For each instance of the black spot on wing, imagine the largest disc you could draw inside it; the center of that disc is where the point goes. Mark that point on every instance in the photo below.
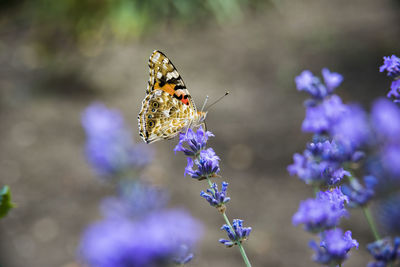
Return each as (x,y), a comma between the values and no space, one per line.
(178,97)
(179,87)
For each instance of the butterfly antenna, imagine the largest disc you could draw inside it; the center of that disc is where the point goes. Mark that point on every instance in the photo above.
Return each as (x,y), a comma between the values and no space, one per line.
(216,101)
(204,104)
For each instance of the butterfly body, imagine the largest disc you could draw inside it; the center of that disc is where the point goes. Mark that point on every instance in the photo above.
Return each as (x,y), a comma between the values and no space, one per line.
(168,108)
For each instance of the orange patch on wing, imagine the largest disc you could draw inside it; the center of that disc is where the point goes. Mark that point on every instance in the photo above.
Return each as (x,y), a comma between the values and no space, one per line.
(168,87)
(185,101)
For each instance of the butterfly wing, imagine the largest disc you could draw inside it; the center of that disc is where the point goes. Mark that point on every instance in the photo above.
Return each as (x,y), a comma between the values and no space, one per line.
(168,107)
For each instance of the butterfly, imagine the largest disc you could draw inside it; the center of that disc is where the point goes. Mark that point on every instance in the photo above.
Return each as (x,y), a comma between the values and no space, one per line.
(168,107)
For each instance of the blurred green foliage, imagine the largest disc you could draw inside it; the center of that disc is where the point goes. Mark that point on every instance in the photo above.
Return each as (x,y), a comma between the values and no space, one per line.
(5,201)
(88,19)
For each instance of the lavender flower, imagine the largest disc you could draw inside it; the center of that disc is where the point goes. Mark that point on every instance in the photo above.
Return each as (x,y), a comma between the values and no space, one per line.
(360,195)
(153,240)
(216,198)
(195,140)
(238,234)
(334,247)
(391,65)
(385,117)
(384,252)
(203,163)
(207,165)
(135,199)
(391,159)
(321,213)
(394,90)
(183,255)
(306,81)
(352,128)
(331,79)
(320,163)
(109,148)
(322,116)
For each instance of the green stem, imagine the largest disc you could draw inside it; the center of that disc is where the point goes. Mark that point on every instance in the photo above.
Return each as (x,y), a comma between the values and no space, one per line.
(244,256)
(316,190)
(371,222)
(241,249)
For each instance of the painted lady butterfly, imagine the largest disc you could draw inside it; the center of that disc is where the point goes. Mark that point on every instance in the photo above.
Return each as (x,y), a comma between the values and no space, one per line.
(168,108)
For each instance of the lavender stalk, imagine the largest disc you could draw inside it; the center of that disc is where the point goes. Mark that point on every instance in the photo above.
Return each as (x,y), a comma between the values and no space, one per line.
(203,164)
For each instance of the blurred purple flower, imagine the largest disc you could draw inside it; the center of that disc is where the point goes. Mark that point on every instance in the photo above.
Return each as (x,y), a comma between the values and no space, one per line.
(391,159)
(331,79)
(385,117)
(352,129)
(153,240)
(109,147)
(238,234)
(384,252)
(394,90)
(136,199)
(321,213)
(321,117)
(336,198)
(183,255)
(391,65)
(358,194)
(306,81)
(307,169)
(334,247)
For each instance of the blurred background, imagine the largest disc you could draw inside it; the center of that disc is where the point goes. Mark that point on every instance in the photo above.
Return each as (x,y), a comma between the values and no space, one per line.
(57,57)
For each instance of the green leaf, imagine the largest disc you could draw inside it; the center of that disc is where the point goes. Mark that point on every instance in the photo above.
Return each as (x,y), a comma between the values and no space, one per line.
(5,201)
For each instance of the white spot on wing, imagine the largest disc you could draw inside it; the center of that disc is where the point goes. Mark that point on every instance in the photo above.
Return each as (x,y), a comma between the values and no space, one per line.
(155,58)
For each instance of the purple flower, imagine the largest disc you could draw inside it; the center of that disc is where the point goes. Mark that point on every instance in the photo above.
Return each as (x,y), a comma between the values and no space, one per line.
(352,129)
(331,79)
(214,197)
(321,117)
(391,65)
(307,169)
(360,195)
(321,213)
(135,199)
(384,251)
(319,164)
(336,198)
(195,140)
(237,234)
(394,90)
(334,247)
(385,117)
(389,213)
(154,240)
(306,81)
(109,148)
(207,165)
(391,159)
(183,255)
(334,174)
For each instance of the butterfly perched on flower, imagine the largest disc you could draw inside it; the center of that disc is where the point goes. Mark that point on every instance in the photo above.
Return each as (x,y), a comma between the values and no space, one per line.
(168,108)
